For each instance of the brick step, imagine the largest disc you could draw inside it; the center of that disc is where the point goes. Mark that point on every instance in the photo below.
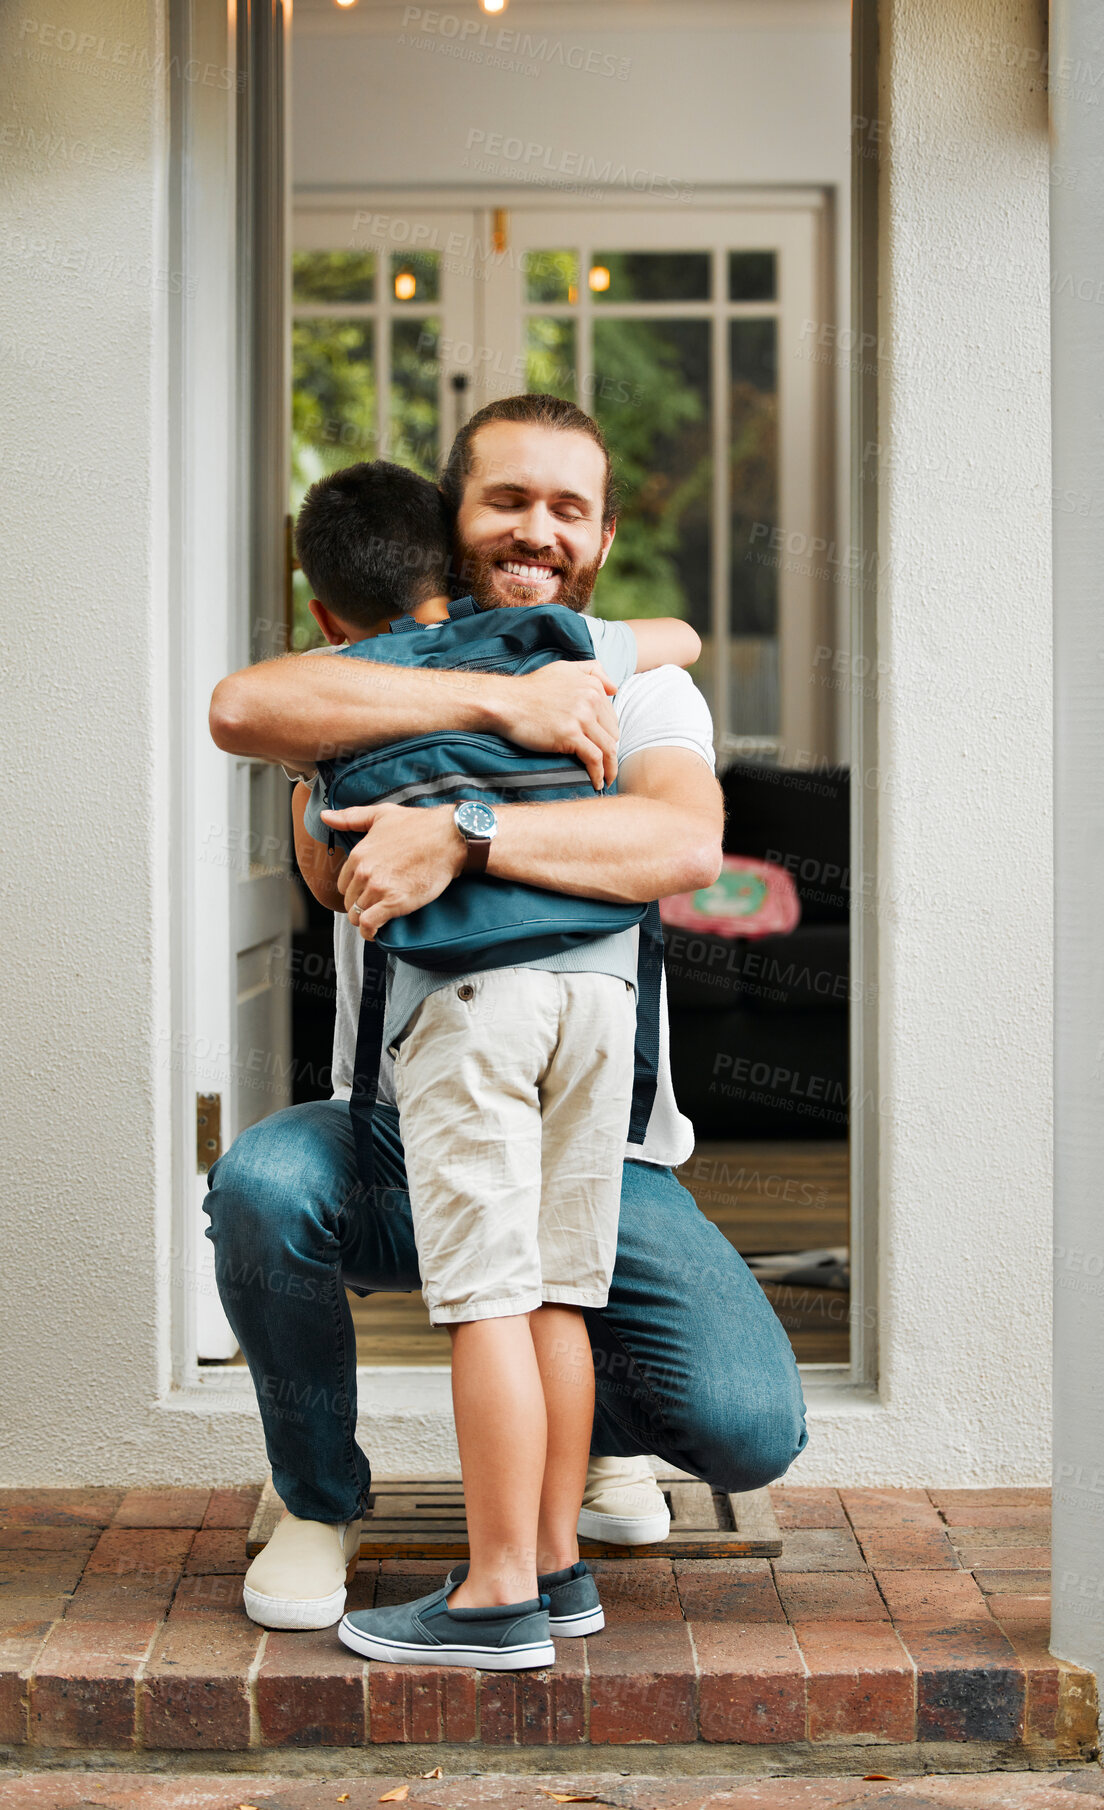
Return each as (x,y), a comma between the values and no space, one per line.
(891,1617)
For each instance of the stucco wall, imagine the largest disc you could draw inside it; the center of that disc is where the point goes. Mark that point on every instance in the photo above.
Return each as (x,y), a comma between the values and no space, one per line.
(83,282)
(964,789)
(965,871)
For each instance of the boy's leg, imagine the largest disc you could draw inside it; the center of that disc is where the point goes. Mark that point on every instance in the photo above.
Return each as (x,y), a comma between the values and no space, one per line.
(466,1080)
(585,1096)
(290,1225)
(500,1429)
(567,1377)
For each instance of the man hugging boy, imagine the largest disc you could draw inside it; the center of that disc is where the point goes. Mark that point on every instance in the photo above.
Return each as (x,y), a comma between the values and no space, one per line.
(513,1085)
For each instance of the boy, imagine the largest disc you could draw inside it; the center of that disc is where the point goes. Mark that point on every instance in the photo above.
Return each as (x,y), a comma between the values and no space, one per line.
(513,1086)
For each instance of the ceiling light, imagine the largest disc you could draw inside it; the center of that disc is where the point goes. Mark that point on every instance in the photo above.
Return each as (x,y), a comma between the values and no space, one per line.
(345,3)
(599,278)
(405,285)
(493,6)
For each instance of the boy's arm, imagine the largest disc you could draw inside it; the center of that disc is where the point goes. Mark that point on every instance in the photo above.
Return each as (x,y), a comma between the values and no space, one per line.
(664,641)
(318,867)
(297,710)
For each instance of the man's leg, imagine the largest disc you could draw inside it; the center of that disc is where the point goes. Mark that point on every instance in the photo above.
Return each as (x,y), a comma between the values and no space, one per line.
(691,1362)
(290,1225)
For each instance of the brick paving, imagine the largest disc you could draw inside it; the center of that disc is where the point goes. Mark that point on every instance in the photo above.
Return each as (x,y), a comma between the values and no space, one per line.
(900,1618)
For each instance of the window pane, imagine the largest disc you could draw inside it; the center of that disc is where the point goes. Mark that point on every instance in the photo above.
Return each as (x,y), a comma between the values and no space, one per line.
(551,276)
(550,356)
(333,405)
(415,394)
(333,421)
(650,276)
(651,394)
(751,276)
(333,276)
(416,276)
(753,488)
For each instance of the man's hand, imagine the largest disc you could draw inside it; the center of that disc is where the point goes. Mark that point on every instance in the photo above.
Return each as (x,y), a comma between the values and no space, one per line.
(564,708)
(407,857)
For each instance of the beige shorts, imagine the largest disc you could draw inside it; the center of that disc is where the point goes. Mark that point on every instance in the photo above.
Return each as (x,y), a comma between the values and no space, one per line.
(514,1088)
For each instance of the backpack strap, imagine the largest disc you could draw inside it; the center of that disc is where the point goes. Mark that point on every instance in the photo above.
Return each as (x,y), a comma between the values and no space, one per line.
(649,977)
(464,606)
(366,1063)
(402,625)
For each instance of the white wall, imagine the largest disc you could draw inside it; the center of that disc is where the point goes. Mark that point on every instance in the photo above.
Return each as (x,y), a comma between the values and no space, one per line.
(85,1382)
(84,280)
(737,93)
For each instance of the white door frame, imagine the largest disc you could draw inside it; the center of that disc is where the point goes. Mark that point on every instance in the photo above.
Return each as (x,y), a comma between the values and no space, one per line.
(409,1409)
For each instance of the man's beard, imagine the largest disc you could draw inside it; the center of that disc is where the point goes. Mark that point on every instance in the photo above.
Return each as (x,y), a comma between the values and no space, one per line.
(476,567)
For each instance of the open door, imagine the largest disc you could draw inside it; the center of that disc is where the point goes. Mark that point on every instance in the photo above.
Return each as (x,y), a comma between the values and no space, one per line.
(232,605)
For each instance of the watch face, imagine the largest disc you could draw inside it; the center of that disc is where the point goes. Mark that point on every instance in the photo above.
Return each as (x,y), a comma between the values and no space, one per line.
(475,819)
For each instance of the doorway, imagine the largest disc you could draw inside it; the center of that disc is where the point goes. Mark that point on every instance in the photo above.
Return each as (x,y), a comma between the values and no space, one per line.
(691,335)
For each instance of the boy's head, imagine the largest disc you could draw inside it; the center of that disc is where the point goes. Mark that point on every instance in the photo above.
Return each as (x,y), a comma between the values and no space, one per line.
(373,541)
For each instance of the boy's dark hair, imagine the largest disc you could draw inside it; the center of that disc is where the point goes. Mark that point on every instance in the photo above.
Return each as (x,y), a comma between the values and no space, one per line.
(373,541)
(541,411)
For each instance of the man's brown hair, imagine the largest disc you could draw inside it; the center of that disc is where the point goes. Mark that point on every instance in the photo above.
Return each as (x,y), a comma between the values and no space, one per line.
(539,411)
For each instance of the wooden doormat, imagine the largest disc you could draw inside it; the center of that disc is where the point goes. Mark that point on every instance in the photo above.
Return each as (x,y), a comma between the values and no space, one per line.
(416,1519)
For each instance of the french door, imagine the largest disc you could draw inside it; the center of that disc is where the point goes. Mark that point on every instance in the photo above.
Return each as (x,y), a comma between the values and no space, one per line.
(689,333)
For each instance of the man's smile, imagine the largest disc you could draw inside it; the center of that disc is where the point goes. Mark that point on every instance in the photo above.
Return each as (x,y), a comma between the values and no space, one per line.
(528,571)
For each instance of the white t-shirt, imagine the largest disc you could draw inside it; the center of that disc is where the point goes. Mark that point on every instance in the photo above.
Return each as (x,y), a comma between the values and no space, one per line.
(659,709)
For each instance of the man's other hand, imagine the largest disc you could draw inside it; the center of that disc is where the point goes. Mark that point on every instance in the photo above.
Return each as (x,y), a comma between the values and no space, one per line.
(563,708)
(407,857)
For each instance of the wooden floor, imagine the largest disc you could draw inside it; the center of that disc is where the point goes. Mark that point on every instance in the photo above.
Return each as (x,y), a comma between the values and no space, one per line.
(764,1197)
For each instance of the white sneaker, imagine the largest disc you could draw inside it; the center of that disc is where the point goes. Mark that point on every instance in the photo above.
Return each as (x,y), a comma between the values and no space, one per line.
(300,1578)
(623,1503)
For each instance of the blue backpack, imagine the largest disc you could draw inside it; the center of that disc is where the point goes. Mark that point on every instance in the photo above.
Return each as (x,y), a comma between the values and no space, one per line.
(480,921)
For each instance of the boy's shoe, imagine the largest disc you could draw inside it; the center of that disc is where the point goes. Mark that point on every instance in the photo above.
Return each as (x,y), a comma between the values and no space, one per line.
(573,1604)
(511,1637)
(299,1580)
(623,1503)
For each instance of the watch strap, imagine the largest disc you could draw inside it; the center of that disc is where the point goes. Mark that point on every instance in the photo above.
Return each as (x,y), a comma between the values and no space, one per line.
(478,855)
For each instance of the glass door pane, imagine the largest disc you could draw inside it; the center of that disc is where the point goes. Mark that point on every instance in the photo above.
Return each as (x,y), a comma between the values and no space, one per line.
(653,400)
(753,699)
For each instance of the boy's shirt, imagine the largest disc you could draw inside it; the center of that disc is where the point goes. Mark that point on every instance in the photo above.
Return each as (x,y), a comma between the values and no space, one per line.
(408,985)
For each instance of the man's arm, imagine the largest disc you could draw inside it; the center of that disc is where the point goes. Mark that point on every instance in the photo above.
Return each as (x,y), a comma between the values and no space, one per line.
(297,711)
(660,834)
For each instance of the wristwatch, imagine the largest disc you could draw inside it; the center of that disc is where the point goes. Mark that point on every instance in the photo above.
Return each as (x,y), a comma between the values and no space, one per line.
(478,825)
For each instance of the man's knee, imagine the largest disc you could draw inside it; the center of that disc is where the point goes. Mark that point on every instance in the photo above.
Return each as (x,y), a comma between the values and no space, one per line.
(745,1444)
(264,1188)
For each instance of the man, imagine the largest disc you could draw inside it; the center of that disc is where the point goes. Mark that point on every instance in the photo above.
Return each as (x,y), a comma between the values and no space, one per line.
(691,1363)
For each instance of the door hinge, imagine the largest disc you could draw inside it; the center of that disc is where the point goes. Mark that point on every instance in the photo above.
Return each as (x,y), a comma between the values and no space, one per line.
(500,230)
(208,1131)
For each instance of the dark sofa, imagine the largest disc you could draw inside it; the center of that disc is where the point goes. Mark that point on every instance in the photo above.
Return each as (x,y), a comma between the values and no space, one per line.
(759,1045)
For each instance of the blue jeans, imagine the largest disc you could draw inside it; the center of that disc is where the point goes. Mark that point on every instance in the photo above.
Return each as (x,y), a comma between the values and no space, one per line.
(691,1363)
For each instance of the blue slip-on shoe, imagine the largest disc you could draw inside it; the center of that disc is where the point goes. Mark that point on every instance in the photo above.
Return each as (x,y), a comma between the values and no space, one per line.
(574,1606)
(511,1637)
